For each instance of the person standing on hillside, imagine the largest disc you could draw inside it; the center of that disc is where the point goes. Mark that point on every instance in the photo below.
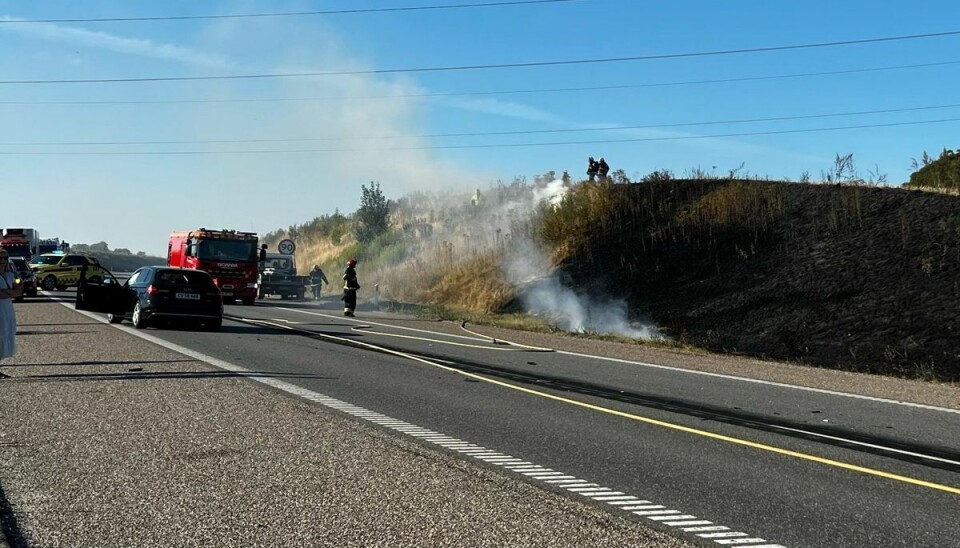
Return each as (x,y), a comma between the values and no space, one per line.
(602,169)
(317,279)
(350,287)
(592,169)
(8,318)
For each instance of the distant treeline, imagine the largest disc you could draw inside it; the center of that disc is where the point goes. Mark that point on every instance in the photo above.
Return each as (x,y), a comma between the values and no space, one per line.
(117,260)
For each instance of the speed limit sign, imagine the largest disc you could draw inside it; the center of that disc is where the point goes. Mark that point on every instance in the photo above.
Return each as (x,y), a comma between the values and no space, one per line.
(287,247)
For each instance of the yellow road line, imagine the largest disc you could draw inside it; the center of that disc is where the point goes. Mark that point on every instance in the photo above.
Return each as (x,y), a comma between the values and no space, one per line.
(361,329)
(656,422)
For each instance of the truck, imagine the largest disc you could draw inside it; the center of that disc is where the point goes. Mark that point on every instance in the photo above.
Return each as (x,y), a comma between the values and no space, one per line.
(229,256)
(278,276)
(20,242)
(51,245)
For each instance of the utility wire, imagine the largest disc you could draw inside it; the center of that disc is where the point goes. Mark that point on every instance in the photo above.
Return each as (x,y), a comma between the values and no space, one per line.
(491,92)
(479,146)
(451,68)
(483,133)
(291,13)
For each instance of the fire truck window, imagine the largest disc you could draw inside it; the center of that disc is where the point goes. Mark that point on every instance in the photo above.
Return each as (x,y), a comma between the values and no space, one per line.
(228,250)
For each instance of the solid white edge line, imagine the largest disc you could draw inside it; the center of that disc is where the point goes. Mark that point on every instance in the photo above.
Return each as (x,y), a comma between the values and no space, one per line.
(357,412)
(678,369)
(768,383)
(865,444)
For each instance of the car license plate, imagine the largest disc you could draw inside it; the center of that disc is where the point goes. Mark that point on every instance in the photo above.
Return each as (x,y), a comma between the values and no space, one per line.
(227,286)
(189,296)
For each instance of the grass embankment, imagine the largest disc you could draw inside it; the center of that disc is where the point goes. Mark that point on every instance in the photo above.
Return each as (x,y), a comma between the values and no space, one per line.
(853,277)
(845,276)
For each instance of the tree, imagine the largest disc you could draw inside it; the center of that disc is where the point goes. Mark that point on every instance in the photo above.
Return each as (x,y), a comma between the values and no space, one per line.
(944,172)
(620,177)
(373,215)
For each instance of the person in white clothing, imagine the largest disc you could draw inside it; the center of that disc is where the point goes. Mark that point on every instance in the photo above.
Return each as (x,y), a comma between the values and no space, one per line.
(8,320)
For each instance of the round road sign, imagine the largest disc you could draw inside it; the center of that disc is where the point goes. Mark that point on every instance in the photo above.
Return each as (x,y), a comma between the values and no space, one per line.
(287,247)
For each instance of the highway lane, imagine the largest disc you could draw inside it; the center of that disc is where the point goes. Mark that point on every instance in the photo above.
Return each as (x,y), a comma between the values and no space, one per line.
(780,498)
(110,440)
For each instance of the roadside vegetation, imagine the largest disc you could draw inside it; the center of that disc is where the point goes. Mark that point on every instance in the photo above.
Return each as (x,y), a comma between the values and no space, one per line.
(840,271)
(117,260)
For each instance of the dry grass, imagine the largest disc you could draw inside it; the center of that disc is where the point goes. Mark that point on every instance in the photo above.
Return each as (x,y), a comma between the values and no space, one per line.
(952,191)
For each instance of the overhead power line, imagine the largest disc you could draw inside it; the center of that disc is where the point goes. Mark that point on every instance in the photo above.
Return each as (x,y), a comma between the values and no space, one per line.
(490,92)
(478,146)
(451,68)
(483,133)
(291,13)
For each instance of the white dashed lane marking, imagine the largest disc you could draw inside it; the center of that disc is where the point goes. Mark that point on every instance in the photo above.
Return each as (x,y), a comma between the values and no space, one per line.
(682,522)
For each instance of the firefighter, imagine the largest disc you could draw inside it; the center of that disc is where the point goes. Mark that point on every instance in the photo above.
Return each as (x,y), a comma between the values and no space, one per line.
(602,169)
(350,287)
(476,200)
(317,279)
(592,168)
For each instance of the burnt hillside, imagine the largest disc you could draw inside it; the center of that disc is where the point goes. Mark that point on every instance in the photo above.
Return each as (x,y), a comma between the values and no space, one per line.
(855,277)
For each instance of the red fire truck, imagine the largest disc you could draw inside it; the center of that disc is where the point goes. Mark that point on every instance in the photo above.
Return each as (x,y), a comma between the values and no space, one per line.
(229,256)
(20,242)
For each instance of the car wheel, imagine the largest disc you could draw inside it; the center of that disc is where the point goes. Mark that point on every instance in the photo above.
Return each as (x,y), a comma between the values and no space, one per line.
(138,320)
(18,299)
(49,283)
(115,318)
(248,301)
(214,325)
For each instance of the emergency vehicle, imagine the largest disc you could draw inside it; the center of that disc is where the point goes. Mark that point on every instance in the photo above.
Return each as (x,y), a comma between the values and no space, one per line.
(229,256)
(20,242)
(58,270)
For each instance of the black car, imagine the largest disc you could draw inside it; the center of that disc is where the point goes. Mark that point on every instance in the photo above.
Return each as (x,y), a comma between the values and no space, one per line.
(156,294)
(27,279)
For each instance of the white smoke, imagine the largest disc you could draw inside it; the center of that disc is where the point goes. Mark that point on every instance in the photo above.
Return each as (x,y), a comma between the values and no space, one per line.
(529,269)
(502,221)
(582,313)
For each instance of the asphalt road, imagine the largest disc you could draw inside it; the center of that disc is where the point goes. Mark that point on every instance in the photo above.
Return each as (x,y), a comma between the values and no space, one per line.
(708,458)
(110,440)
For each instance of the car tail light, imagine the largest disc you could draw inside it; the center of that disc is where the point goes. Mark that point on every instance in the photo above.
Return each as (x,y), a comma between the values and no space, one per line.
(152,290)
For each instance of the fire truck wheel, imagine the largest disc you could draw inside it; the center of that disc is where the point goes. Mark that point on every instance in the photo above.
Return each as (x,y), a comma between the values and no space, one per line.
(49,283)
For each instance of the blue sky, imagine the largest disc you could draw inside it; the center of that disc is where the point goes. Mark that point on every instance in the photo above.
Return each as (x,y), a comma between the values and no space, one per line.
(135,200)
